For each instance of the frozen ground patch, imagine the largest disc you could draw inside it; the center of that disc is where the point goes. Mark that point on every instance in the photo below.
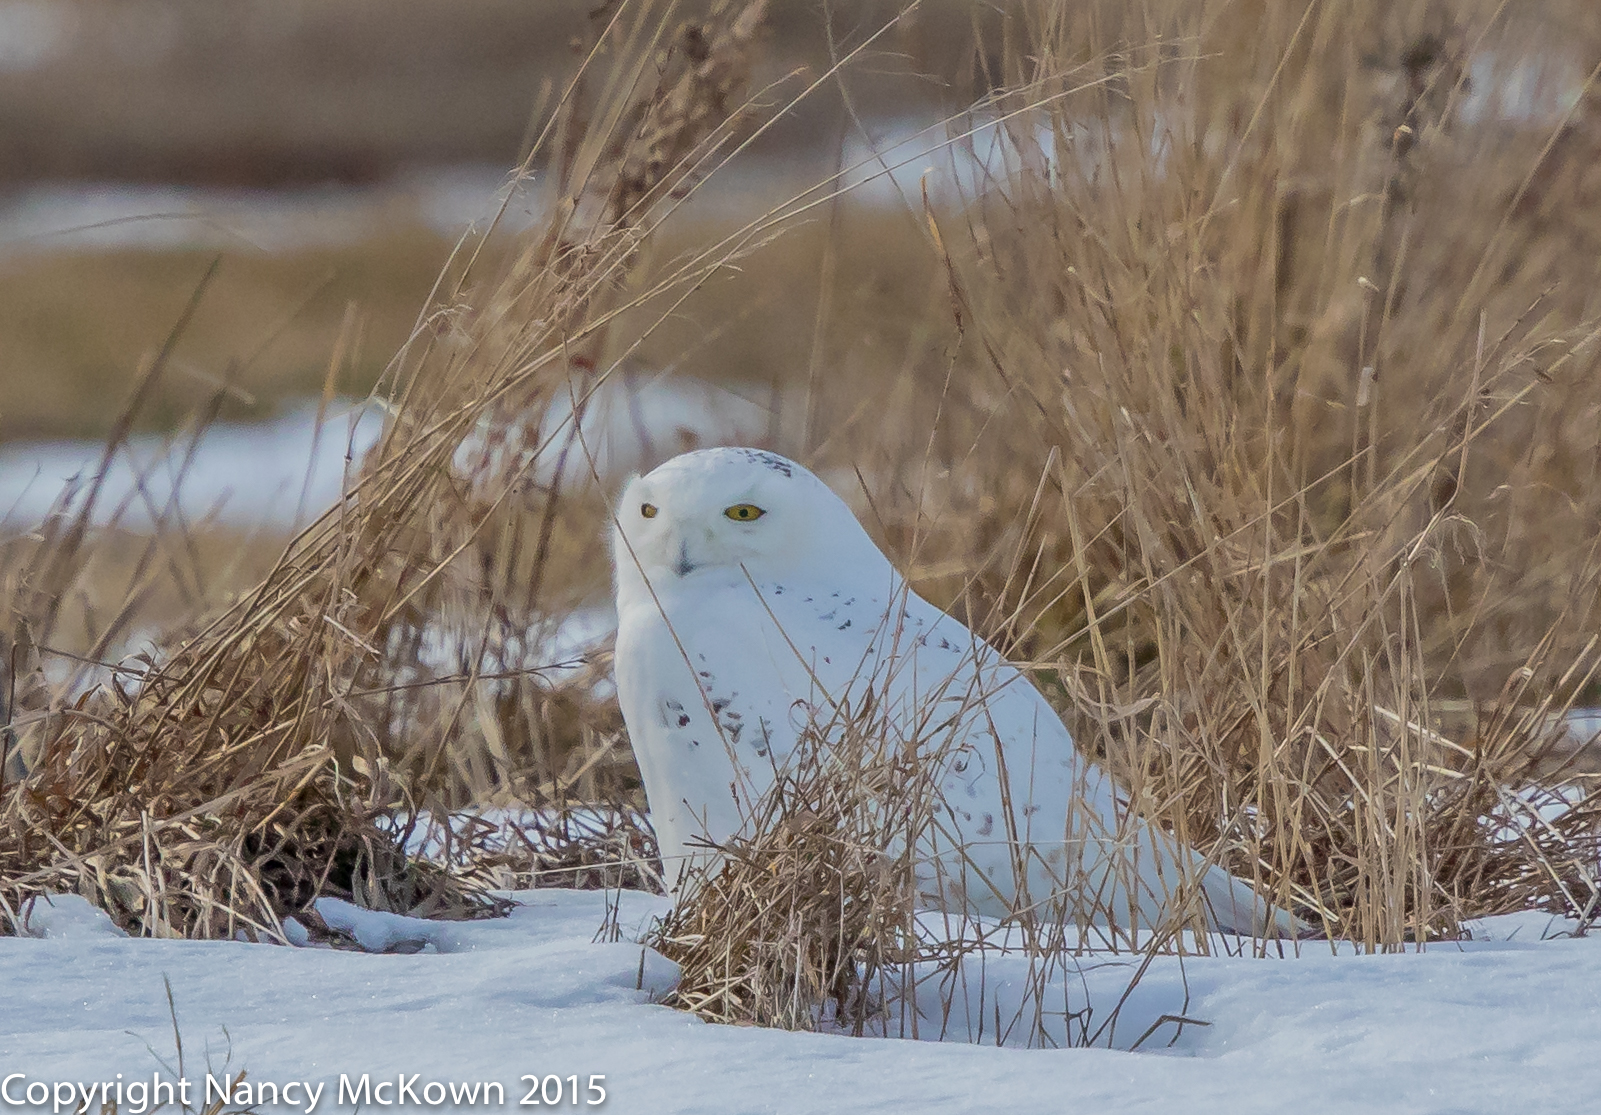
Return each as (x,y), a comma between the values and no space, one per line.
(285,471)
(1585,724)
(271,473)
(98,216)
(1485,1026)
(447,200)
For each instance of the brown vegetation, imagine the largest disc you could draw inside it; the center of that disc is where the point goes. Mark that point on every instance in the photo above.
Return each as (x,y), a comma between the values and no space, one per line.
(1275,409)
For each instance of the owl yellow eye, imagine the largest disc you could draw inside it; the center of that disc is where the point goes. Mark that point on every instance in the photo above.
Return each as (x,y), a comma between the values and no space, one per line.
(744,512)
(647,510)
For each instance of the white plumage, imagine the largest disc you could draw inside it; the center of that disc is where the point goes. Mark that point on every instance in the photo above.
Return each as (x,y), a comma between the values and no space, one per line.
(750,602)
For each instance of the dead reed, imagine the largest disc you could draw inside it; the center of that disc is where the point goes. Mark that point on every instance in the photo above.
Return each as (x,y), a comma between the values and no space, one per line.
(600,847)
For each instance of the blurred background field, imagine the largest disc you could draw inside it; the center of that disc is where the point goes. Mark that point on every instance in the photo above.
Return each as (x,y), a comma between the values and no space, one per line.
(332,153)
(1233,362)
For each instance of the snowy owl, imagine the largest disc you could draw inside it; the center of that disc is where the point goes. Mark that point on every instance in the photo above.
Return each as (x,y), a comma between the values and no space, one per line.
(750,601)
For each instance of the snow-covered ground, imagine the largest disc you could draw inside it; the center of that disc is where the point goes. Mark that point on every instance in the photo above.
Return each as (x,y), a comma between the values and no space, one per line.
(1492,1025)
(286,471)
(257,474)
(884,168)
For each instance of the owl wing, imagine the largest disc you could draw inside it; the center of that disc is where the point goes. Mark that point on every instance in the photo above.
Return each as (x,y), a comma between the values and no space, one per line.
(1024,819)
(1009,779)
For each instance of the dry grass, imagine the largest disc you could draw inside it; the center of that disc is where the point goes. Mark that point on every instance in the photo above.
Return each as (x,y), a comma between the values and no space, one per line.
(1311,405)
(74,326)
(574,847)
(178,795)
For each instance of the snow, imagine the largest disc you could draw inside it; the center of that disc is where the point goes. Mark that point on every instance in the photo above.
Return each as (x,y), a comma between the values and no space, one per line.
(376,931)
(632,421)
(78,216)
(1584,724)
(1507,1020)
(63,916)
(280,472)
(284,471)
(883,166)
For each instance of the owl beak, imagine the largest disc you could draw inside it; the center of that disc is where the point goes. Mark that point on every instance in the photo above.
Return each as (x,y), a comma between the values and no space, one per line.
(682,565)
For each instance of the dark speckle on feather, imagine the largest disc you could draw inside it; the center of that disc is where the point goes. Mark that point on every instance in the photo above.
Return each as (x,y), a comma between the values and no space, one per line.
(673,711)
(988,826)
(769,460)
(843,626)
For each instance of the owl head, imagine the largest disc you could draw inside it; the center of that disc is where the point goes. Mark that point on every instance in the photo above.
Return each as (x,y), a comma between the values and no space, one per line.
(725,514)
